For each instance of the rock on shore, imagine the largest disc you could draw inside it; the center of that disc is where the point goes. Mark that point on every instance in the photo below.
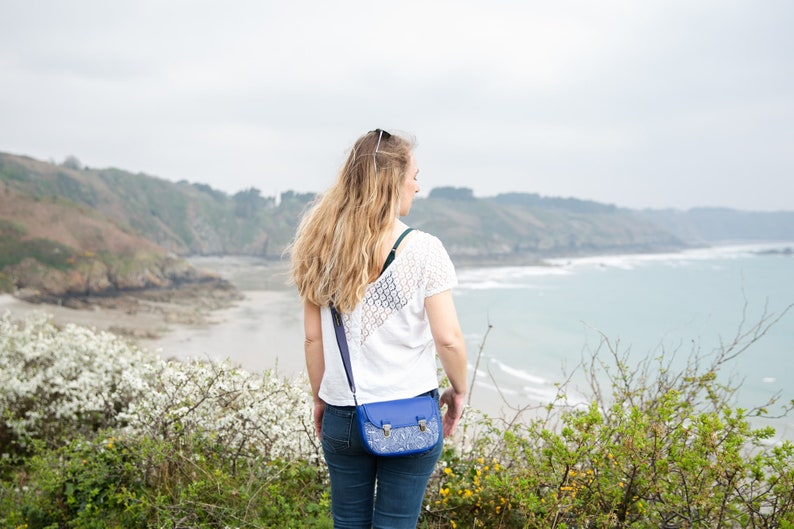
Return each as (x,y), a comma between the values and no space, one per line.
(160,290)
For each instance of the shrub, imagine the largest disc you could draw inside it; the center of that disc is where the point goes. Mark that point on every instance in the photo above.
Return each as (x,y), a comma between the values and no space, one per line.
(153,482)
(57,383)
(658,449)
(265,416)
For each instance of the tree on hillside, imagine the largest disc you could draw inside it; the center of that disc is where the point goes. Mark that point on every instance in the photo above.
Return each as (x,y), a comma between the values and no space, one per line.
(71,162)
(204,188)
(292,197)
(248,202)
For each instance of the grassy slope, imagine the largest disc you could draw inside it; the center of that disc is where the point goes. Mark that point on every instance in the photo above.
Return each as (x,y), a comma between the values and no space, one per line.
(55,238)
(513,231)
(194,219)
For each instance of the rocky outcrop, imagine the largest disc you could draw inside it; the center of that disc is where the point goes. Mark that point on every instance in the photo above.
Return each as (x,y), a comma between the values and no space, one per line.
(36,282)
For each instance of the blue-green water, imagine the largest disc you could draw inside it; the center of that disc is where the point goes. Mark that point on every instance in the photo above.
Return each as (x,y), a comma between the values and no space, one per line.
(545,319)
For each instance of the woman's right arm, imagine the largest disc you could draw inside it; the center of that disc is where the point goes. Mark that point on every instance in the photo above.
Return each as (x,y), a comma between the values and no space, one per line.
(451,348)
(315,362)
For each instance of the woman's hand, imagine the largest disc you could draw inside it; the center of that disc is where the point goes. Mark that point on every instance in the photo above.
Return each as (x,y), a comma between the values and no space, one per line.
(319,410)
(455,404)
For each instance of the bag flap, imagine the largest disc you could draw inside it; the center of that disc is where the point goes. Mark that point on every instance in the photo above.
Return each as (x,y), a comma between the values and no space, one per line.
(401,412)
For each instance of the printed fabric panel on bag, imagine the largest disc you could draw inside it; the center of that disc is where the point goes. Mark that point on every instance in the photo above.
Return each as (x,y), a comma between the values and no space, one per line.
(400,427)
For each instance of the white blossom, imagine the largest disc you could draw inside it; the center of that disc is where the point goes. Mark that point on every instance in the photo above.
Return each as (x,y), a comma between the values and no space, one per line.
(54,381)
(57,382)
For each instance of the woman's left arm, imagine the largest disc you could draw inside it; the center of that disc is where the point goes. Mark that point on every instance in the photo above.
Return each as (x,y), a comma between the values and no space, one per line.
(315,362)
(451,348)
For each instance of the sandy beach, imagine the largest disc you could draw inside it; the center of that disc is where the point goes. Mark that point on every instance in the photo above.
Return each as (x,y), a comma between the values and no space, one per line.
(96,317)
(263,331)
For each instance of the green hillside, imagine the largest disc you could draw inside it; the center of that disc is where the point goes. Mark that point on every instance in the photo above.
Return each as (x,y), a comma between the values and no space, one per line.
(194,219)
(63,233)
(69,229)
(520,228)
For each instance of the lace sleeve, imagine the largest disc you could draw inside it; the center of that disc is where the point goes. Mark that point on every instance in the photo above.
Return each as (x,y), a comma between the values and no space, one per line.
(439,270)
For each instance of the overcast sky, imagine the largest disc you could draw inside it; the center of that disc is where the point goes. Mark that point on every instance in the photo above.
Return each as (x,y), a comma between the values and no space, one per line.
(638,103)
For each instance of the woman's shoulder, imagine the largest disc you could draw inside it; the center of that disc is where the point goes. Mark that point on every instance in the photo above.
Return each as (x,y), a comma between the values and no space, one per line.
(436,264)
(428,245)
(425,239)
(423,235)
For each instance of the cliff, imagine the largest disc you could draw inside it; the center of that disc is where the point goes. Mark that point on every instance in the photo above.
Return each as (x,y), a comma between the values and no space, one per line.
(54,247)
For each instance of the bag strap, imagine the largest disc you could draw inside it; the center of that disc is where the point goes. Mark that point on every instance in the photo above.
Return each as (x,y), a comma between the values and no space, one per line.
(341,340)
(393,251)
(339,330)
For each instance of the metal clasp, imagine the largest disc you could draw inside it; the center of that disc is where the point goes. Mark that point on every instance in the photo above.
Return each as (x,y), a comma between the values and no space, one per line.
(422,425)
(386,430)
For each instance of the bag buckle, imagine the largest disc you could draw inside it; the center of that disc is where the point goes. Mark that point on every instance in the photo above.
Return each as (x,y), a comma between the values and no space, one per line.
(422,425)
(386,430)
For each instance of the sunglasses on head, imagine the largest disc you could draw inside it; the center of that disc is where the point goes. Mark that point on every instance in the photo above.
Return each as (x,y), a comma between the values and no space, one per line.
(381,134)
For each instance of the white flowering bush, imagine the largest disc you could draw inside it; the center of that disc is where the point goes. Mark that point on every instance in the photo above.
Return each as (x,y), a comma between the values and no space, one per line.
(135,441)
(59,382)
(247,415)
(56,383)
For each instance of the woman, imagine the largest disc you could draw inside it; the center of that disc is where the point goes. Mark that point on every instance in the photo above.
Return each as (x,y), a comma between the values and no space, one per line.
(398,314)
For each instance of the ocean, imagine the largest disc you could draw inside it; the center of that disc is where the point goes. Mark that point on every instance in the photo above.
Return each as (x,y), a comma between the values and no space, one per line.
(545,320)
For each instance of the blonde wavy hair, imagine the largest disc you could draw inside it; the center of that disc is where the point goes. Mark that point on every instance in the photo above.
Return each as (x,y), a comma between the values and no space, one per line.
(336,249)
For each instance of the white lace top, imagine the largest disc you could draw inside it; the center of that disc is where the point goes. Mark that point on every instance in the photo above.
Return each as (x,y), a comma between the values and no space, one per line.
(391,349)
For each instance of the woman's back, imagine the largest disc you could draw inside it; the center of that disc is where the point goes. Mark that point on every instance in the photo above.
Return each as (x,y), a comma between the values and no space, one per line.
(391,346)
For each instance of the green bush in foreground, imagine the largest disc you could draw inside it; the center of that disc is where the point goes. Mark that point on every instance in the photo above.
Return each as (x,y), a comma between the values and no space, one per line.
(140,482)
(664,450)
(623,468)
(208,445)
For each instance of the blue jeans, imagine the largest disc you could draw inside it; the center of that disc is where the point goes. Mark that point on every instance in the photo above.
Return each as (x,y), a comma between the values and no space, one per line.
(356,475)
